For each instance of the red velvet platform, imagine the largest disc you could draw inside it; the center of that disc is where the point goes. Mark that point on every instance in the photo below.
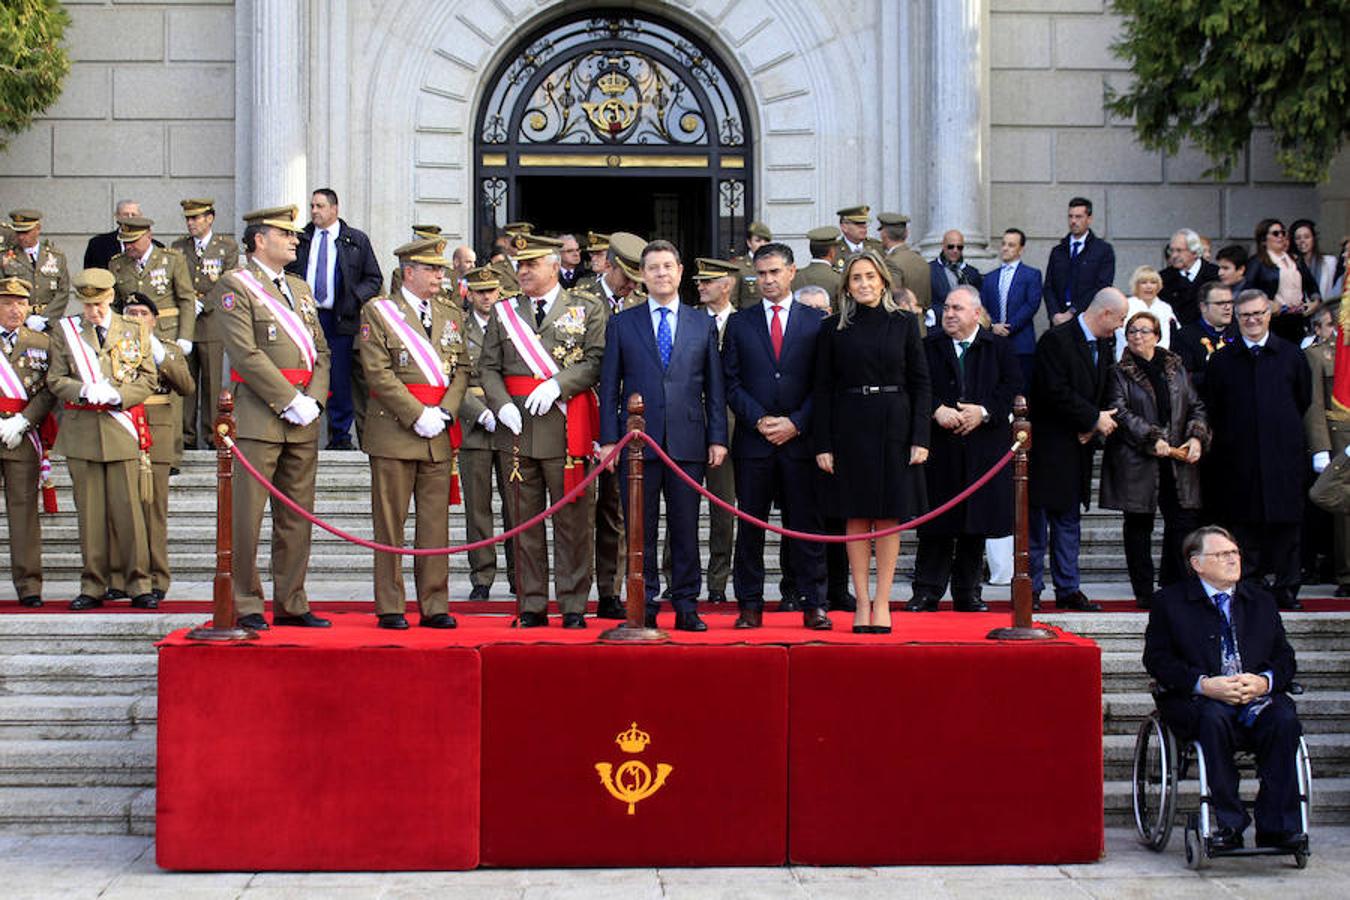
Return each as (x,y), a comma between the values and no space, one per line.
(359,748)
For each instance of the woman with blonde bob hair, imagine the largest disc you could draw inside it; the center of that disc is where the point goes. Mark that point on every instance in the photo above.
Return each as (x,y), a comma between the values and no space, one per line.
(1145,285)
(870,423)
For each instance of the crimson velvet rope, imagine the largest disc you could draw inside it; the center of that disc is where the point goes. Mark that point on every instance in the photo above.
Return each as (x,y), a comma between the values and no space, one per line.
(576,492)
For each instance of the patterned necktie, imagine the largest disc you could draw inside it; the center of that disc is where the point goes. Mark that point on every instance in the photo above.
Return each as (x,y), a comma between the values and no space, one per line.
(321,271)
(102,334)
(10,338)
(1232,664)
(1004,282)
(664,340)
(539,310)
(776,331)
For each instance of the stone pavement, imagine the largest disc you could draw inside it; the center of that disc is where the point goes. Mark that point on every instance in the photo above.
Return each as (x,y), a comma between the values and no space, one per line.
(111,868)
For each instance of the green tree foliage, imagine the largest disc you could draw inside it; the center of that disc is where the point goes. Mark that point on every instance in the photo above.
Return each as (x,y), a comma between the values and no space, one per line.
(1207,71)
(32,61)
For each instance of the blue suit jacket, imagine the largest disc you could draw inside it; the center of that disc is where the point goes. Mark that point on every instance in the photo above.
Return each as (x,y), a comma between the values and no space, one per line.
(686,406)
(937,279)
(1024,298)
(1078,279)
(759,385)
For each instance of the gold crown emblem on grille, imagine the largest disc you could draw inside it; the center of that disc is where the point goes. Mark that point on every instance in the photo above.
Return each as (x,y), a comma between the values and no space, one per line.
(612,83)
(633,740)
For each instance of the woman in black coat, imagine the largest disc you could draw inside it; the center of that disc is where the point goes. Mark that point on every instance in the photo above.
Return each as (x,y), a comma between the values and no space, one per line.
(1158,411)
(871,414)
(1284,278)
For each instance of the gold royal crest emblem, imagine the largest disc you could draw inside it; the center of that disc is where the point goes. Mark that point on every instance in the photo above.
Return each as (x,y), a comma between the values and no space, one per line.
(632,781)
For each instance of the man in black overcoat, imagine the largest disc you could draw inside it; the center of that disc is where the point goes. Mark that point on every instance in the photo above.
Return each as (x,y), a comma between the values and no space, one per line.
(1256,392)
(1069,419)
(975,376)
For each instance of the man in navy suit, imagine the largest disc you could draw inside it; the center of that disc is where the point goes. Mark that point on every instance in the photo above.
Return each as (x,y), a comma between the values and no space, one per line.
(768,355)
(1079,266)
(1219,655)
(950,270)
(1011,294)
(667,352)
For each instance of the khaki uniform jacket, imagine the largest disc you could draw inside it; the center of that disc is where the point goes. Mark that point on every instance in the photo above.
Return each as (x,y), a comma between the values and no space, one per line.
(573,333)
(259,349)
(124,359)
(746,292)
(908,269)
(476,437)
(31,359)
(600,294)
(1323,418)
(50,278)
(165,280)
(506,275)
(819,274)
(844,252)
(174,378)
(220,255)
(389,366)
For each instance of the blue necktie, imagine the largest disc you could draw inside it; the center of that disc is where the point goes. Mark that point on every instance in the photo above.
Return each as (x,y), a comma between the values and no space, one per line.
(1224,603)
(1092,345)
(664,342)
(1004,282)
(321,272)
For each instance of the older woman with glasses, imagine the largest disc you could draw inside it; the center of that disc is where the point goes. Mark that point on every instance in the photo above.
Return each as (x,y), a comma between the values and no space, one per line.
(1150,459)
(1283,277)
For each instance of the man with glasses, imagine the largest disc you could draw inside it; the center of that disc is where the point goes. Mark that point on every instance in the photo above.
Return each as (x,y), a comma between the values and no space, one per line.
(1215,329)
(950,270)
(1181,281)
(1256,393)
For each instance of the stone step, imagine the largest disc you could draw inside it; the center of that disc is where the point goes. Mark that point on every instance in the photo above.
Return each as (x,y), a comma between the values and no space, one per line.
(1330,754)
(1329,670)
(77,810)
(1321,712)
(34,717)
(80,675)
(1330,803)
(77,763)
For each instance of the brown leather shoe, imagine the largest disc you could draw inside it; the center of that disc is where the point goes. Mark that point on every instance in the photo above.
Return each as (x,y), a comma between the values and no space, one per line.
(816,619)
(750,618)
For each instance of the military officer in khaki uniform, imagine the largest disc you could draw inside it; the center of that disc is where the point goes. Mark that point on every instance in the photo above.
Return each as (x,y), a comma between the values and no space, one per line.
(1328,433)
(597,260)
(528,404)
(24,254)
(209,256)
(908,268)
(505,267)
(412,347)
(174,378)
(420,233)
(279,365)
(853,239)
(747,285)
(821,271)
(24,404)
(478,461)
(101,368)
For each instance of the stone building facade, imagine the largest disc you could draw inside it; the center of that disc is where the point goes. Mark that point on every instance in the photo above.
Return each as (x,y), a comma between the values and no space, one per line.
(974,114)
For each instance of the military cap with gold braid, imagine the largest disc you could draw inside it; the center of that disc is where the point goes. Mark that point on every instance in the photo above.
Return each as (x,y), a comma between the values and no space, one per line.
(595,242)
(759,229)
(518,228)
(532,246)
(627,250)
(282,217)
(892,218)
(427,231)
(133,228)
(15,287)
(712,269)
(197,206)
(94,285)
(22,220)
(823,235)
(482,278)
(427,251)
(858,214)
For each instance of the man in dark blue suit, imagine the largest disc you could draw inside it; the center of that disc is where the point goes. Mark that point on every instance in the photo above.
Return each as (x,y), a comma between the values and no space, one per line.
(950,270)
(667,352)
(1079,266)
(1219,655)
(1011,294)
(769,357)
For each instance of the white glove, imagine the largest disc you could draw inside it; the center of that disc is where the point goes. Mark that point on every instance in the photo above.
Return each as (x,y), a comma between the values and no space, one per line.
(12,430)
(509,416)
(200,306)
(1321,459)
(36,323)
(185,345)
(541,398)
(302,410)
(156,350)
(102,394)
(488,421)
(430,423)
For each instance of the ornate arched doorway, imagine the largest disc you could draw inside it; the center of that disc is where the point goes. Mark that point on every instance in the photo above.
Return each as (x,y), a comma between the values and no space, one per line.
(614,120)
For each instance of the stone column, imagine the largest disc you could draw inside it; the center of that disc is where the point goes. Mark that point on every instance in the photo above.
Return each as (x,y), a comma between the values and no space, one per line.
(958,168)
(276,95)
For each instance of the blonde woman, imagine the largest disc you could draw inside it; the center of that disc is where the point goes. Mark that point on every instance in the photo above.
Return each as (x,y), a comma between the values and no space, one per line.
(1145,285)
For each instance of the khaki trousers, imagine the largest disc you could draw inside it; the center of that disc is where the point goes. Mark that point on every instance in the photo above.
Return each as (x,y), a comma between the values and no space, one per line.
(542,484)
(206,363)
(610,548)
(155,515)
(393,483)
(291,468)
(476,470)
(21,510)
(108,506)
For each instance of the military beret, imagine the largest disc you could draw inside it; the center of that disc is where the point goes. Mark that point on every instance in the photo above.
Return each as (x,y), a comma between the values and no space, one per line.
(137,299)
(518,228)
(524,245)
(857,214)
(15,287)
(823,234)
(482,278)
(426,231)
(428,251)
(712,269)
(94,285)
(893,218)
(282,217)
(196,206)
(759,229)
(627,249)
(132,228)
(22,220)
(595,242)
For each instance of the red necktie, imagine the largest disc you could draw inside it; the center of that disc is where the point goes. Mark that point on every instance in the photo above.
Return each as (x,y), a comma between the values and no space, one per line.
(776,331)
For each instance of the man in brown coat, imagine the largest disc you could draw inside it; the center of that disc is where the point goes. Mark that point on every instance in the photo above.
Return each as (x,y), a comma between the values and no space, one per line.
(908,268)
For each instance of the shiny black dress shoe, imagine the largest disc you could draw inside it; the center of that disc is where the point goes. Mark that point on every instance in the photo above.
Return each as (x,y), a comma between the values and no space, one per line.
(689,622)
(253,622)
(1282,840)
(440,620)
(479,592)
(1291,603)
(393,621)
(304,620)
(881,629)
(750,618)
(115,594)
(159,594)
(717,596)
(1224,839)
(668,593)
(790,603)
(862,629)
(32,602)
(816,620)
(574,620)
(1036,603)
(84,601)
(1076,602)
(343,443)
(533,620)
(610,607)
(976,605)
(146,601)
(920,603)
(844,602)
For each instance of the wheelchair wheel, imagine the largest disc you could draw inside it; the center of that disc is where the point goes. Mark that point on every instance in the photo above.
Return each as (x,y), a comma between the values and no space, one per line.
(1154,784)
(1301,859)
(1196,858)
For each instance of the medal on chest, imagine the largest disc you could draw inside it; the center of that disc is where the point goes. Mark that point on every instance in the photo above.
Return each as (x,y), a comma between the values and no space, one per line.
(159,279)
(211,268)
(126,356)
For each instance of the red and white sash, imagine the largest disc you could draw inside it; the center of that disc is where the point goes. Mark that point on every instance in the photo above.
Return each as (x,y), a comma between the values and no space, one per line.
(290,320)
(11,387)
(86,364)
(423,353)
(528,345)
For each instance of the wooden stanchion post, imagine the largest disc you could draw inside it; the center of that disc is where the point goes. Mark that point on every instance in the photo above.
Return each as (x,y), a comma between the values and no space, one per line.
(1021,628)
(222,627)
(635,627)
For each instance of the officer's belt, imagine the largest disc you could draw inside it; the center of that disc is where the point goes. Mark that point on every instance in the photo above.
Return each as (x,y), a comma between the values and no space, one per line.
(12,405)
(92,407)
(158,400)
(296,377)
(169,312)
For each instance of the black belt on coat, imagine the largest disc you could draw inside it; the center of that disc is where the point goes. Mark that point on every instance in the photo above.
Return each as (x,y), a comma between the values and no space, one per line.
(867,389)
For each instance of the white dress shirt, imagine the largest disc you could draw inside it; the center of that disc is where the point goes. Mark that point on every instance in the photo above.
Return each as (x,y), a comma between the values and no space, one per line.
(273,276)
(548,300)
(654,308)
(785,305)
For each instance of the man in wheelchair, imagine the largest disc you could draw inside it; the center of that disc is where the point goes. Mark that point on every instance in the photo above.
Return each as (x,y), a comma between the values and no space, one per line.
(1219,655)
